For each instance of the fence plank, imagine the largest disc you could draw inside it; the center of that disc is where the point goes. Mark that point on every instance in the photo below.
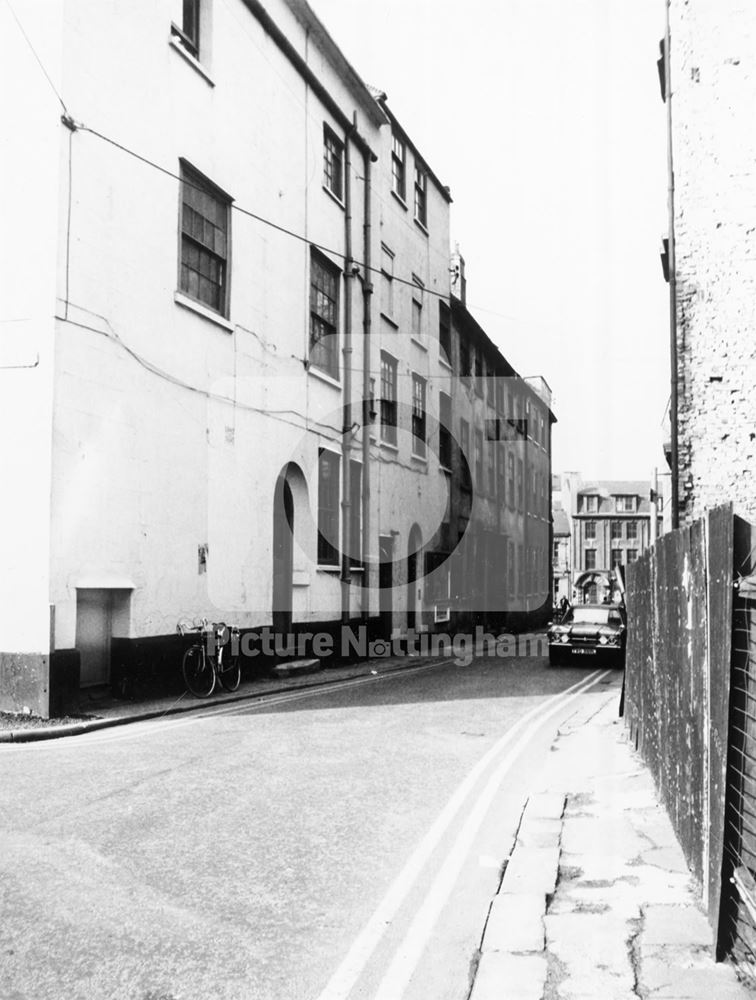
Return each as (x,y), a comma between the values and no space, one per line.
(678,688)
(719,558)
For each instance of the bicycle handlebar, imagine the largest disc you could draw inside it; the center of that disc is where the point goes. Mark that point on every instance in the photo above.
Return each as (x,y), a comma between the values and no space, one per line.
(204,625)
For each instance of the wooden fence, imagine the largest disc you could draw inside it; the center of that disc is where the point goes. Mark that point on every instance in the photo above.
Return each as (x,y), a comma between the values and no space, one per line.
(679,598)
(737,936)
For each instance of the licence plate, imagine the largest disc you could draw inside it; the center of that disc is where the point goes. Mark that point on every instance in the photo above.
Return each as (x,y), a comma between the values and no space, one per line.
(585,652)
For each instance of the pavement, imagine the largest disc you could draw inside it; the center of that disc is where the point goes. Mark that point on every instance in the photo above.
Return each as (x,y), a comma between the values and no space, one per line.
(100,709)
(596,901)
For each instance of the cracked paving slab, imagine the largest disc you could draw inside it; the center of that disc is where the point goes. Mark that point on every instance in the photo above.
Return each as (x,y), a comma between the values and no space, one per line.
(624,921)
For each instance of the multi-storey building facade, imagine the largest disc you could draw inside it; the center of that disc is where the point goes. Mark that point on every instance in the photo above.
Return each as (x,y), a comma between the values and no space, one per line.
(562,545)
(602,525)
(233,394)
(500,509)
(709,84)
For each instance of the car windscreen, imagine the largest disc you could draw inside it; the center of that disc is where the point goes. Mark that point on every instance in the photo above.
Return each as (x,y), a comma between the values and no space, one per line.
(589,616)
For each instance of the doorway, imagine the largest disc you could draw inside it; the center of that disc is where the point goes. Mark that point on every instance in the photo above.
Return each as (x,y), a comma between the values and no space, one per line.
(386,582)
(414,592)
(101,613)
(283,556)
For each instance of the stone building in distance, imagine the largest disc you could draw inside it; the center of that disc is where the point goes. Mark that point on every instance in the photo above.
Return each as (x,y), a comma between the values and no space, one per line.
(611,522)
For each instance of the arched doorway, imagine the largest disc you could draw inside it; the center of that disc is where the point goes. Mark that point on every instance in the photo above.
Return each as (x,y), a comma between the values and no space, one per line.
(414,575)
(294,547)
(283,555)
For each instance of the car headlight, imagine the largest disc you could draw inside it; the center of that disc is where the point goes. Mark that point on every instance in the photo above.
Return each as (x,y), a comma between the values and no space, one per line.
(564,637)
(603,640)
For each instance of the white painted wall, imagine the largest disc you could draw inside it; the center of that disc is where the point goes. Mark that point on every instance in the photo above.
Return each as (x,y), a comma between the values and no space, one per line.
(32,145)
(171,429)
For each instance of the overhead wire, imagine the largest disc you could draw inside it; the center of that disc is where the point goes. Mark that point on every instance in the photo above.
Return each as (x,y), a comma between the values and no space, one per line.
(149,366)
(80,126)
(36,56)
(74,126)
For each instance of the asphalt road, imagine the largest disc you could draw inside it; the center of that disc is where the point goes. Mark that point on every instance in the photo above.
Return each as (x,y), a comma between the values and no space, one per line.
(339,843)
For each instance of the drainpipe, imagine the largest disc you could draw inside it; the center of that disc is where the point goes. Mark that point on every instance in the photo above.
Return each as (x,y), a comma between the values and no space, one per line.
(673,405)
(367,292)
(346,430)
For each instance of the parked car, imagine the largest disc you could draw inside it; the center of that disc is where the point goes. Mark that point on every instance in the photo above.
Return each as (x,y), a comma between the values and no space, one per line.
(597,631)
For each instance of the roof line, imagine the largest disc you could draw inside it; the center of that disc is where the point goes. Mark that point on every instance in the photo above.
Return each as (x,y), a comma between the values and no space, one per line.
(304,13)
(442,188)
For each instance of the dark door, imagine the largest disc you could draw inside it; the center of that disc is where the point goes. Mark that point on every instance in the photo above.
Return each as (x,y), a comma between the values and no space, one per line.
(93,632)
(385,582)
(411,599)
(283,555)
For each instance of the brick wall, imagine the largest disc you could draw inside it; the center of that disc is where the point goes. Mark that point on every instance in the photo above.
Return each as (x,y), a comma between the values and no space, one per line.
(714,148)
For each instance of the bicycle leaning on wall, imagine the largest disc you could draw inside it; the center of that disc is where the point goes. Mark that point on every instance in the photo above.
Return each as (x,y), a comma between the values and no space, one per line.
(213,657)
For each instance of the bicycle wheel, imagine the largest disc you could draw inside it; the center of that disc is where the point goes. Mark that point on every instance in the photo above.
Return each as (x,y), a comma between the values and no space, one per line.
(199,675)
(229,670)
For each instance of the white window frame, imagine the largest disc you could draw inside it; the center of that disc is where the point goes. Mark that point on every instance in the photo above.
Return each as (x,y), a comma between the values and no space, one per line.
(399,167)
(333,163)
(421,196)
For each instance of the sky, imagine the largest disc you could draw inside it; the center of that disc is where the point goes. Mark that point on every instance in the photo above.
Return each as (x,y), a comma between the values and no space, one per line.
(545,119)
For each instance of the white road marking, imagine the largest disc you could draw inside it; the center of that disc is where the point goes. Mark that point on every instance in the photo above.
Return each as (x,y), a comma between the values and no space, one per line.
(408,954)
(341,983)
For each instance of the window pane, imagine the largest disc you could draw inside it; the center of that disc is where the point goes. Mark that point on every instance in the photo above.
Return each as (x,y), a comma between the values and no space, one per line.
(324,346)
(355,513)
(190,22)
(388,399)
(421,196)
(444,430)
(398,154)
(328,508)
(444,332)
(418,415)
(417,319)
(204,242)
(387,281)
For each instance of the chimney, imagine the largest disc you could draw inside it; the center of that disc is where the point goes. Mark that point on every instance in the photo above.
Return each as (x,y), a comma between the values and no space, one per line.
(458,280)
